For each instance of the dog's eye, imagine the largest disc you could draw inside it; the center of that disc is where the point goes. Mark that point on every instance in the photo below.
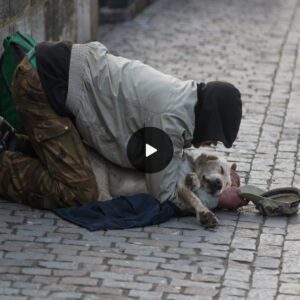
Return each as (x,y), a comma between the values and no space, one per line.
(222,170)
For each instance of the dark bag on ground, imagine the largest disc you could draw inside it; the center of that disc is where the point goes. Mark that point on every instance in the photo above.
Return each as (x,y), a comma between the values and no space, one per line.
(15,48)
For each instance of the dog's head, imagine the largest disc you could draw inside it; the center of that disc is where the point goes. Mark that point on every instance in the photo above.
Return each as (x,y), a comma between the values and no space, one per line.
(213,173)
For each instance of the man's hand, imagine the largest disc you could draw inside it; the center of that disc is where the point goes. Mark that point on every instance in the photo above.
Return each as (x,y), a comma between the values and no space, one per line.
(7,136)
(230,199)
(235,178)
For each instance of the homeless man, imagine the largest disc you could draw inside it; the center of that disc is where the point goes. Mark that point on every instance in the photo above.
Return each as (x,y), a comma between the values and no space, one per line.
(107,98)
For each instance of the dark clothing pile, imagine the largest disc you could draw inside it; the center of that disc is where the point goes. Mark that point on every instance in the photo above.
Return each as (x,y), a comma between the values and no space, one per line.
(120,213)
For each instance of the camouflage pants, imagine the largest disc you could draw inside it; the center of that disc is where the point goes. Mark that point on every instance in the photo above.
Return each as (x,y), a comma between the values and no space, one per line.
(57,173)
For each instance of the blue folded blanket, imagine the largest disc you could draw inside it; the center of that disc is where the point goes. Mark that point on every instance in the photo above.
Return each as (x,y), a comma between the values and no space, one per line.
(120,213)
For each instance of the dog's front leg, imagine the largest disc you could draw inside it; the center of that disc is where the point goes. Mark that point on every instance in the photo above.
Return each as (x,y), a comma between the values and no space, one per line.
(185,190)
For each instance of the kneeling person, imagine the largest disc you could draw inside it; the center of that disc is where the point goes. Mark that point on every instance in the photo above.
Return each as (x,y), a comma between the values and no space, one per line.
(108,98)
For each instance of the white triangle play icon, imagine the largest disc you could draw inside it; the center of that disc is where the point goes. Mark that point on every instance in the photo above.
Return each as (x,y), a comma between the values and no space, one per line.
(149,150)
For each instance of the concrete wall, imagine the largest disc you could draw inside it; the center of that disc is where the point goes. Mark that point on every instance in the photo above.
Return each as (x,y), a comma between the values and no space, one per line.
(54,20)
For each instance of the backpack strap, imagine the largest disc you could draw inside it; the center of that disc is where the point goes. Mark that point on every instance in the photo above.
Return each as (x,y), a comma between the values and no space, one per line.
(4,75)
(32,57)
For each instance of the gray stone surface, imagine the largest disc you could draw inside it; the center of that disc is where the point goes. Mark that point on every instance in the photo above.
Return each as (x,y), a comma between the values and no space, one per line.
(49,19)
(253,44)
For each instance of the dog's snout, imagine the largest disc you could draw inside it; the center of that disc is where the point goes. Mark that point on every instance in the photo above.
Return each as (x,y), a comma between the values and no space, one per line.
(218,184)
(215,185)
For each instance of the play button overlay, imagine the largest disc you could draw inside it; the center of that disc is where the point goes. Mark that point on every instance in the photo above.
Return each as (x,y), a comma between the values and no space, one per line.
(150,150)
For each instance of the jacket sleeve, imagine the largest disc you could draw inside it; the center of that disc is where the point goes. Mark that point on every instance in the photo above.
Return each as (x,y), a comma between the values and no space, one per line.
(162,185)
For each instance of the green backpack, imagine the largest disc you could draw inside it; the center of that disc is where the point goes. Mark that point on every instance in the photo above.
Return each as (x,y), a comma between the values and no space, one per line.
(15,48)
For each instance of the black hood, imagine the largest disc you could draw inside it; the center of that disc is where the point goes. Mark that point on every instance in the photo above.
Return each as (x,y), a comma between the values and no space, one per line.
(218,113)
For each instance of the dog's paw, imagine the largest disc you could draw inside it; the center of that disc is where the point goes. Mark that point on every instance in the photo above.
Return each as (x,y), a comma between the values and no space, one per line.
(207,218)
(192,181)
(102,196)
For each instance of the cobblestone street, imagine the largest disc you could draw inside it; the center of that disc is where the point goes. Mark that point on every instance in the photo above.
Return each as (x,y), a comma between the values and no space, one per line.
(253,44)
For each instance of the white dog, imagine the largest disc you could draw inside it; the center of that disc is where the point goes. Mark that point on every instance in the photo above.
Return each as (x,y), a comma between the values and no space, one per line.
(206,172)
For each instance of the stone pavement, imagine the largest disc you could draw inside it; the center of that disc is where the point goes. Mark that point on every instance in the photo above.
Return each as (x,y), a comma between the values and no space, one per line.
(253,44)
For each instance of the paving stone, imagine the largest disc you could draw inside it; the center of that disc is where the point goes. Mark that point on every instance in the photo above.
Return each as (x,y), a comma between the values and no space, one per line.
(145,295)
(271,239)
(248,225)
(107,253)
(45,279)
(287,297)
(105,297)
(290,288)
(182,268)
(134,271)
(266,250)
(246,233)
(166,288)
(276,222)
(262,293)
(26,285)
(242,255)
(237,274)
(211,292)
(244,243)
(154,243)
(127,285)
(29,256)
(8,291)
(267,262)
(36,271)
(290,278)
(112,275)
(205,277)
(35,293)
(233,284)
(58,265)
(14,277)
(152,279)
(263,281)
(291,245)
(60,287)
(213,271)
(4,297)
(132,249)
(150,258)
(189,283)
(133,264)
(79,281)
(169,274)
(186,297)
(229,291)
(293,236)
(80,259)
(65,295)
(112,292)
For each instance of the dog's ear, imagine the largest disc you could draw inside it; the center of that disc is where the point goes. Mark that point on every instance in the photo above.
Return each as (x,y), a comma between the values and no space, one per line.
(233,166)
(202,158)
(235,178)
(212,157)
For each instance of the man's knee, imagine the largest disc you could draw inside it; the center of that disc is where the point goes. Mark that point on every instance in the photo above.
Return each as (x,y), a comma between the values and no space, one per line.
(91,193)
(87,190)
